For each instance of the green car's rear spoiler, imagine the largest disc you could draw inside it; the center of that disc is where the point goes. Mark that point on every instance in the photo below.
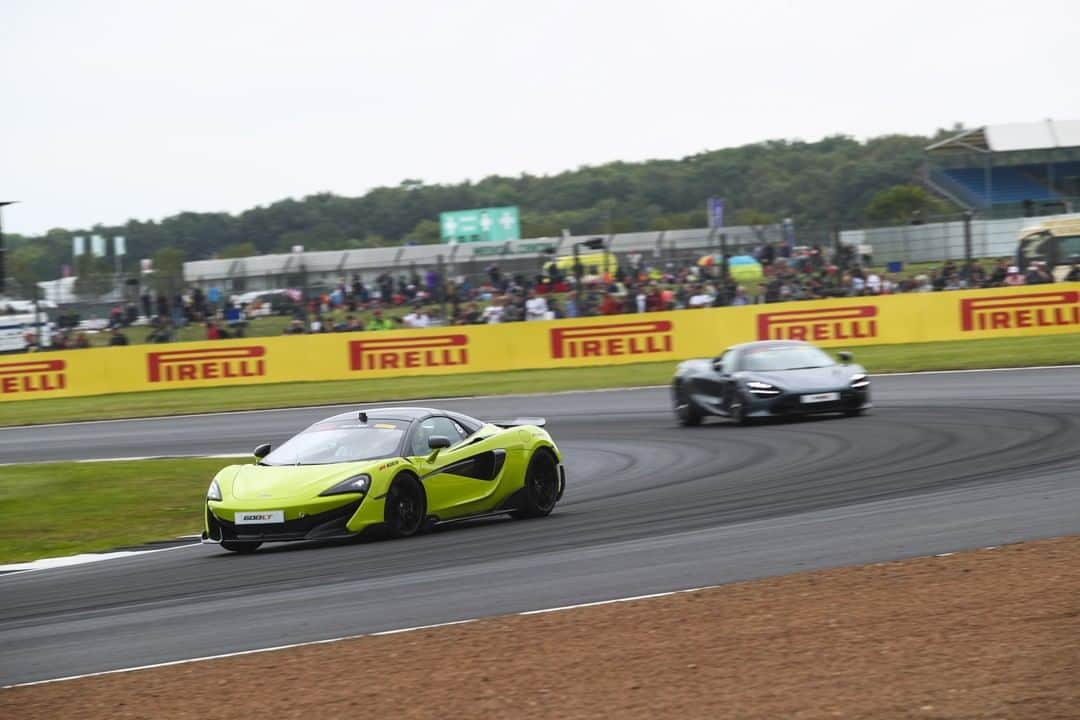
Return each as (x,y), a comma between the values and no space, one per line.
(517,422)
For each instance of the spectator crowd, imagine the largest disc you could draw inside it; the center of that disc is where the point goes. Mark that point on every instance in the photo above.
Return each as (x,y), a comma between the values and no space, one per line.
(634,287)
(629,285)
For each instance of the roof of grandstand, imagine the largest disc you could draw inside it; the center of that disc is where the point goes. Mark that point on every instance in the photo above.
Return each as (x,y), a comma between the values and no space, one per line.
(1013,137)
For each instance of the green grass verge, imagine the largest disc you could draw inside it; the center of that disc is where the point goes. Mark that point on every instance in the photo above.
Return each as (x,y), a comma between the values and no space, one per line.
(963,354)
(59,509)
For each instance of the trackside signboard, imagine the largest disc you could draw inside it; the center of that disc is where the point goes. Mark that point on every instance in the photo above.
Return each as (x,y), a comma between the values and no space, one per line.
(481,224)
(1021,311)
(206,364)
(640,339)
(840,323)
(32,376)
(612,340)
(430,350)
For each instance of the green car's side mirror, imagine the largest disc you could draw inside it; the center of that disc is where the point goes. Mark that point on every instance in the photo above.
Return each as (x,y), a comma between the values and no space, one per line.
(261,451)
(437,443)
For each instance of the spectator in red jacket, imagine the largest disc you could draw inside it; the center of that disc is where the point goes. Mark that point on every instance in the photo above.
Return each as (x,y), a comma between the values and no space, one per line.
(610,305)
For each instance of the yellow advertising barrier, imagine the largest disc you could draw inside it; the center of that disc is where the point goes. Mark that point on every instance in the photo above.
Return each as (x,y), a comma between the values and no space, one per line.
(618,339)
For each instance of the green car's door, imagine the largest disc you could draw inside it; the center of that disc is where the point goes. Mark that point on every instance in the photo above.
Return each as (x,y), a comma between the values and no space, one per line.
(461,480)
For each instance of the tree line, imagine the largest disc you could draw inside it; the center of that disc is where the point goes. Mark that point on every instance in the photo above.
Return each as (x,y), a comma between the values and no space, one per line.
(837,180)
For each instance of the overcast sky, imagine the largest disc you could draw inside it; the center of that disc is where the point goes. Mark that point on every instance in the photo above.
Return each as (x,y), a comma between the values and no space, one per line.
(114,109)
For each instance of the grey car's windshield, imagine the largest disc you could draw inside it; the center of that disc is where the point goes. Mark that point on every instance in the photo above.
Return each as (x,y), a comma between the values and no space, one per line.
(338,441)
(784,357)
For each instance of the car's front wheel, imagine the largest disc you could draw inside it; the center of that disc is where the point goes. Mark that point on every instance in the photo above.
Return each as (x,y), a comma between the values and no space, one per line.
(239,546)
(406,506)
(738,409)
(686,412)
(541,490)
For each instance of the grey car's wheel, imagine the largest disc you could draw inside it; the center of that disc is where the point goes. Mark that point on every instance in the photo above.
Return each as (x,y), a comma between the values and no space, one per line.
(239,546)
(738,409)
(686,412)
(541,489)
(406,507)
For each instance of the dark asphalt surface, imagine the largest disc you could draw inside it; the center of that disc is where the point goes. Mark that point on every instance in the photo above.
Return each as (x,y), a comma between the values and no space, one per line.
(945,462)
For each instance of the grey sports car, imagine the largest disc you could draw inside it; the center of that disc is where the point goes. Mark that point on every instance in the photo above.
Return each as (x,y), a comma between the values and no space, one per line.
(769,378)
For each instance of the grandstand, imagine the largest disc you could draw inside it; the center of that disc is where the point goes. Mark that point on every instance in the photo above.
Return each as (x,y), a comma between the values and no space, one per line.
(1009,170)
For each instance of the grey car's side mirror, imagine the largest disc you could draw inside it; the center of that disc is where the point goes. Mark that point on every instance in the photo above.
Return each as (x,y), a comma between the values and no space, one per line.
(845,356)
(261,451)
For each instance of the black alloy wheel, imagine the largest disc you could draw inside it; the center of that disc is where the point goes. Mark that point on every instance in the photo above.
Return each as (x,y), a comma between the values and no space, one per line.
(686,412)
(541,489)
(405,507)
(737,409)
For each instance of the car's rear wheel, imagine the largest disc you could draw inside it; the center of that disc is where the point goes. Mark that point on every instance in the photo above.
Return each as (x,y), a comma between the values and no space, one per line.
(406,506)
(541,490)
(686,412)
(240,546)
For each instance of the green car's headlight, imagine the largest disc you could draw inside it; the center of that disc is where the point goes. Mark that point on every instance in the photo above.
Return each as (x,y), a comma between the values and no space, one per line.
(355,484)
(213,492)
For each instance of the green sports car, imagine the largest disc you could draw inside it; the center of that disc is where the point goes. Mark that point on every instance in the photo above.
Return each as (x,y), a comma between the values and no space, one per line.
(399,470)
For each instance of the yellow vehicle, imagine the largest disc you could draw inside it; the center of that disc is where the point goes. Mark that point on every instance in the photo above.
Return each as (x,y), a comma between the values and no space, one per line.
(1053,241)
(602,262)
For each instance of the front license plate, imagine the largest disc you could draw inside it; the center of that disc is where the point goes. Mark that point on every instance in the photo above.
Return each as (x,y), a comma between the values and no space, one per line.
(262,516)
(821,397)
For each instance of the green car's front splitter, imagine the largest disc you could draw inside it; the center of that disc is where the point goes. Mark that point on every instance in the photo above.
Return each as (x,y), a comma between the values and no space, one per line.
(330,517)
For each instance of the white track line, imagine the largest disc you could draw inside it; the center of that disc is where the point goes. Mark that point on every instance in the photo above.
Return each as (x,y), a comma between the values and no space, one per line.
(155,457)
(133,458)
(422,401)
(974,370)
(632,598)
(240,653)
(82,559)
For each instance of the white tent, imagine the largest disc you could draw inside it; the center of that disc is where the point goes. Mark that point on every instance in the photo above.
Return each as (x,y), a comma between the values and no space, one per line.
(1014,137)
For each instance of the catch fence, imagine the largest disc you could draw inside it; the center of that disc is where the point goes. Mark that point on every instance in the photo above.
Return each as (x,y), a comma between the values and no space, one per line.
(528,257)
(314,271)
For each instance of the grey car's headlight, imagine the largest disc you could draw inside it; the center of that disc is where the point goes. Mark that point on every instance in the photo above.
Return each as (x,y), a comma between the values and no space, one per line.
(859,380)
(213,492)
(762,388)
(355,484)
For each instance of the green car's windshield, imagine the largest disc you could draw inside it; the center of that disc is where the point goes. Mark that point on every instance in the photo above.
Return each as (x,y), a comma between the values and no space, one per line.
(337,442)
(784,357)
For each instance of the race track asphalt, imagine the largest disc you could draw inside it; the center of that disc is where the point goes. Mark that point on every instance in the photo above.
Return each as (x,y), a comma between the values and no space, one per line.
(944,462)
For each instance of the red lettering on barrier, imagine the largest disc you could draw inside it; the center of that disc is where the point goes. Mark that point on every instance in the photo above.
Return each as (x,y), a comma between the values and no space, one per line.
(206,364)
(632,338)
(419,351)
(850,322)
(32,376)
(1006,312)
